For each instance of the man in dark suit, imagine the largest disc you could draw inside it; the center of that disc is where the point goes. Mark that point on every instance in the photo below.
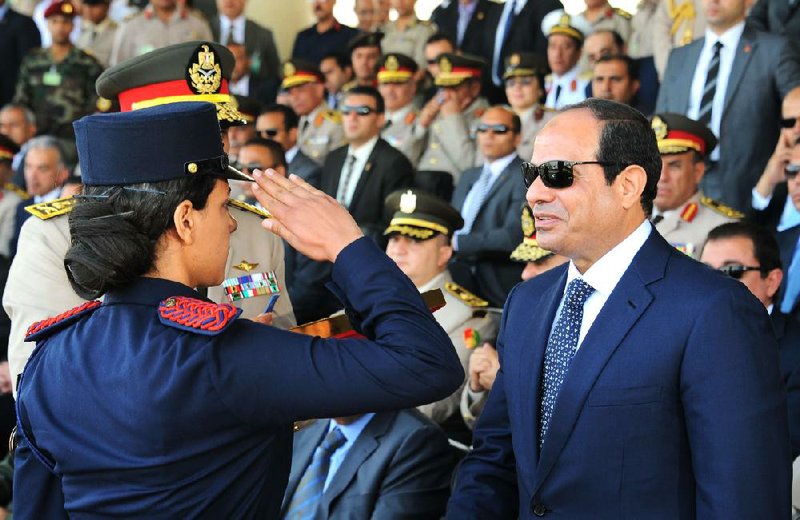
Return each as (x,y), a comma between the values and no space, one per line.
(390,465)
(18,35)
(749,253)
(489,198)
(362,174)
(279,123)
(466,22)
(722,80)
(777,16)
(789,239)
(614,395)
(232,26)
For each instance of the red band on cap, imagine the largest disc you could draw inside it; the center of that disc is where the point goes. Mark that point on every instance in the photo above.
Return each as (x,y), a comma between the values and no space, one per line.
(177,87)
(680,134)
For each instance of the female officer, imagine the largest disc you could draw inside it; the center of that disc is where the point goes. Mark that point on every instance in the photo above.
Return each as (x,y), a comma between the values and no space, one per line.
(158,403)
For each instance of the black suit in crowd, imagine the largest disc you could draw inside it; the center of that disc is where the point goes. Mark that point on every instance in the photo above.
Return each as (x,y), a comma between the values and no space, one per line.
(477,34)
(787,332)
(18,35)
(778,17)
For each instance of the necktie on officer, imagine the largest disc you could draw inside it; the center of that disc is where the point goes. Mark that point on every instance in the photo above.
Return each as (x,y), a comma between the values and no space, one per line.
(309,490)
(792,282)
(561,347)
(710,88)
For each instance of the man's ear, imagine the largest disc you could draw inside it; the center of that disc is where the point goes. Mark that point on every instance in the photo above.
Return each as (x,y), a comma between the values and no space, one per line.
(632,181)
(445,253)
(184,219)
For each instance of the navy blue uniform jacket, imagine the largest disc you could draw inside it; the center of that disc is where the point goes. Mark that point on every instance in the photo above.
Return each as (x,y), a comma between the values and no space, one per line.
(672,408)
(137,418)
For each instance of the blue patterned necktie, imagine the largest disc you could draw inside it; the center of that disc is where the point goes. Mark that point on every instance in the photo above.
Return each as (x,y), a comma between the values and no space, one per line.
(309,490)
(561,347)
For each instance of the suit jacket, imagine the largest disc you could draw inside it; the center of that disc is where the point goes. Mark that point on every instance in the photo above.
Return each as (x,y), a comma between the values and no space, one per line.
(445,16)
(526,28)
(770,216)
(787,332)
(18,35)
(259,44)
(399,467)
(485,250)
(765,68)
(777,17)
(306,168)
(787,241)
(649,422)
(386,170)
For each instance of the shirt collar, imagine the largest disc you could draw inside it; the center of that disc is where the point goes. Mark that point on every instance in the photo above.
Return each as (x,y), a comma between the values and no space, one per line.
(467,8)
(434,283)
(47,197)
(729,39)
(498,166)
(353,430)
(604,275)
(363,152)
(291,153)
(235,23)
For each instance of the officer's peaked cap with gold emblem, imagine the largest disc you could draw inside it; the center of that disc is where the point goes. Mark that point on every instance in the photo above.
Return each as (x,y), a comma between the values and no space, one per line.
(676,133)
(529,250)
(165,142)
(61,8)
(299,72)
(421,215)
(525,64)
(365,39)
(249,107)
(396,68)
(8,148)
(559,22)
(454,69)
(191,71)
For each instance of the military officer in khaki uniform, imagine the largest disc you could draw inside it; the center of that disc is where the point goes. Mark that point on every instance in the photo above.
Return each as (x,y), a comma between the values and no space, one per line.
(158,26)
(640,42)
(524,83)
(452,115)
(408,34)
(419,234)
(37,284)
(565,35)
(681,213)
(97,30)
(600,15)
(11,196)
(675,23)
(397,87)
(320,129)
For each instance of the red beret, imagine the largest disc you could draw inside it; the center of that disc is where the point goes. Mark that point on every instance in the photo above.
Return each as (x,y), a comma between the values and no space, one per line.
(60,7)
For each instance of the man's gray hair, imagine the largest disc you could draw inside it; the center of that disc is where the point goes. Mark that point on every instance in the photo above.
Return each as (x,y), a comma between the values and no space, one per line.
(30,117)
(47,142)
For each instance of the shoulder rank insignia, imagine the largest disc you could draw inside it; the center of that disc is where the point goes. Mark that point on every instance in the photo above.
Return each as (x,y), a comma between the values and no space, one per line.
(238,204)
(689,212)
(410,118)
(331,115)
(10,186)
(721,208)
(479,111)
(464,295)
(54,208)
(42,329)
(623,13)
(198,316)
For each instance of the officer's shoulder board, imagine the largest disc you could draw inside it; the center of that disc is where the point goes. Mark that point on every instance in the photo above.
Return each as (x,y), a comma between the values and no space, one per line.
(198,316)
(243,206)
(721,208)
(53,208)
(623,13)
(465,296)
(330,115)
(22,194)
(43,329)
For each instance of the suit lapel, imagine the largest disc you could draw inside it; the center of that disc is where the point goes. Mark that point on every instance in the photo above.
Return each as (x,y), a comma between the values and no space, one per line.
(331,177)
(744,52)
(301,456)
(624,307)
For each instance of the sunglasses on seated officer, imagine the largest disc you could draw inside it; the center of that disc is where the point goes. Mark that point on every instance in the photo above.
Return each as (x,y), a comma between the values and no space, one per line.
(788,122)
(499,129)
(557,174)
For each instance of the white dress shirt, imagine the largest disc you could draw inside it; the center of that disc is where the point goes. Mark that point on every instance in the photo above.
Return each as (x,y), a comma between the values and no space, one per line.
(237,24)
(729,40)
(291,153)
(241,87)
(604,275)
(573,89)
(351,432)
(790,217)
(347,186)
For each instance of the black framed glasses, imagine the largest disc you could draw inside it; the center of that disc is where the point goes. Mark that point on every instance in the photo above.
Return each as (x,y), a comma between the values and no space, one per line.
(736,271)
(499,129)
(268,133)
(557,174)
(361,110)
(789,122)
(791,171)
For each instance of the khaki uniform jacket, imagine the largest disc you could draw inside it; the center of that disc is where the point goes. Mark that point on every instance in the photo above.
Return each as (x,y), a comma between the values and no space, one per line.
(454,317)
(98,40)
(38,288)
(144,32)
(451,141)
(9,201)
(320,132)
(687,227)
(611,19)
(530,127)
(640,44)
(400,133)
(675,23)
(409,41)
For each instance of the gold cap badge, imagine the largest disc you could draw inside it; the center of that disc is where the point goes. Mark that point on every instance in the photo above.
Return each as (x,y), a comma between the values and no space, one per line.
(514,60)
(445,65)
(391,63)
(408,202)
(205,75)
(288,69)
(528,225)
(659,127)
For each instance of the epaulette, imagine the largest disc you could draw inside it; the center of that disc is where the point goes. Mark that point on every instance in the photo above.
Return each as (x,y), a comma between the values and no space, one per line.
(464,295)
(623,13)
(721,208)
(586,75)
(349,85)
(689,212)
(54,208)
(332,115)
(10,186)
(44,328)
(410,118)
(198,316)
(243,206)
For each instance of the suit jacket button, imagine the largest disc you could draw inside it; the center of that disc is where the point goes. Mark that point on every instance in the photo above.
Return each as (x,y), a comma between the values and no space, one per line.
(539,509)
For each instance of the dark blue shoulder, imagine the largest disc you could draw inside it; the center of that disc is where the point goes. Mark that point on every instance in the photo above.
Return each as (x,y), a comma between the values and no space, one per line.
(198,316)
(45,328)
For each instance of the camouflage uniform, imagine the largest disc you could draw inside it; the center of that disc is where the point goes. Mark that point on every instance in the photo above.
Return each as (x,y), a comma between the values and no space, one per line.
(320,132)
(98,40)
(409,41)
(58,93)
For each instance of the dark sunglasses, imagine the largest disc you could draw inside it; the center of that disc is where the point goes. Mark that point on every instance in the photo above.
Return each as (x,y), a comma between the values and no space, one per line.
(789,122)
(496,129)
(556,174)
(268,133)
(362,110)
(736,271)
(791,171)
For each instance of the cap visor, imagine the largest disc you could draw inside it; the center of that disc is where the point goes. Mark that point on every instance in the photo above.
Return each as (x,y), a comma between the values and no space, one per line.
(232,173)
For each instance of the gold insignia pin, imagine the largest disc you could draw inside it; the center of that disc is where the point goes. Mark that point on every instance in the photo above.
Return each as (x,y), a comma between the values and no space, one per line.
(408,202)
(659,127)
(514,60)
(192,168)
(564,20)
(288,69)
(66,9)
(245,266)
(445,65)
(205,74)
(391,63)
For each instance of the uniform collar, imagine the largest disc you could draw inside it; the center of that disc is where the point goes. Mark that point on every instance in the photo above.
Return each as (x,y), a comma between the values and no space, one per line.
(150,291)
